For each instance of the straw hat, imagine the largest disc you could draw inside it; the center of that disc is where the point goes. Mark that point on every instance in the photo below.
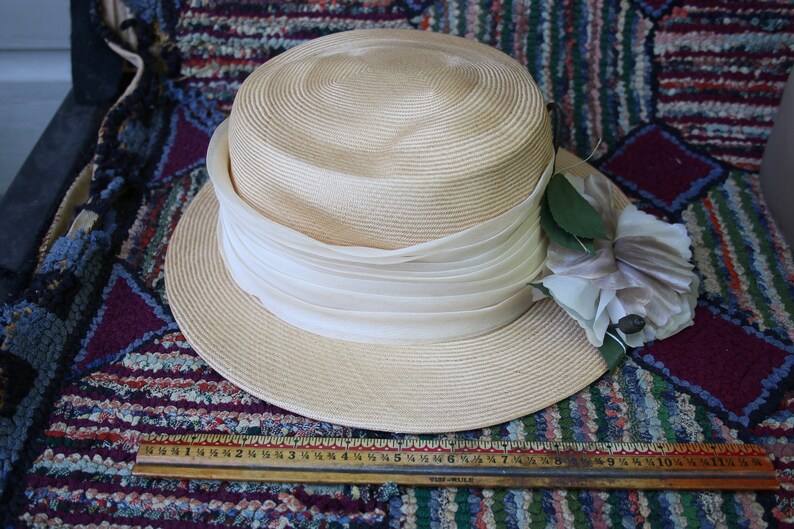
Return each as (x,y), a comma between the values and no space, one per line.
(375,141)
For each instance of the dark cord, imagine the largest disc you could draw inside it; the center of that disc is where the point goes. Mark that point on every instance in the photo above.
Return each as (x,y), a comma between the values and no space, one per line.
(555,113)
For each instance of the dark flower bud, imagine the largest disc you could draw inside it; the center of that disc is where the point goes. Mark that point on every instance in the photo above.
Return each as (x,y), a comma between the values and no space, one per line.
(631,323)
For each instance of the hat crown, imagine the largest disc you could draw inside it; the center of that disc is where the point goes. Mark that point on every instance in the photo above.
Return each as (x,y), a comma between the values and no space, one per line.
(387,138)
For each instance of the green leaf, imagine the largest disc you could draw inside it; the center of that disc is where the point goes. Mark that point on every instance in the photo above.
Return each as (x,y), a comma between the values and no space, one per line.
(559,235)
(572,212)
(542,288)
(614,349)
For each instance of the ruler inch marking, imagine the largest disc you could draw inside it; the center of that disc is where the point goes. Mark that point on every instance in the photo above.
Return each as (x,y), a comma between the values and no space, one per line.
(450,462)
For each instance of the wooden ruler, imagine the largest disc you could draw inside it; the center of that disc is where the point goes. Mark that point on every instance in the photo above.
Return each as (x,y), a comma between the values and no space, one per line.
(457,462)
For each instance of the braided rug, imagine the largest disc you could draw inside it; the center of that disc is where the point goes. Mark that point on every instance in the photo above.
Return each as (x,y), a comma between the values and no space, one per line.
(683,95)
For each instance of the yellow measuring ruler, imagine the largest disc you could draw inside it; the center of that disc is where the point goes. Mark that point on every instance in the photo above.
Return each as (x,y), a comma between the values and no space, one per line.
(466,463)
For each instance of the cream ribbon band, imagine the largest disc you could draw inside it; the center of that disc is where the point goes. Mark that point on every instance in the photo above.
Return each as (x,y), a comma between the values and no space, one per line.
(455,287)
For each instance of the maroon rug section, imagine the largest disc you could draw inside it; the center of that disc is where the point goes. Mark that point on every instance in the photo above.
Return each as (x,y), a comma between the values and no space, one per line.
(126,317)
(654,162)
(732,364)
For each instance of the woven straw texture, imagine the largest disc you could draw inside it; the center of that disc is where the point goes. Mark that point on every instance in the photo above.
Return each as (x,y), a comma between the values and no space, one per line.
(683,94)
(387,138)
(535,361)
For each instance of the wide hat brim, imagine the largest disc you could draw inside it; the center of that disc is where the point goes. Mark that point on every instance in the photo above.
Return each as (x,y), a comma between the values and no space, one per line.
(533,362)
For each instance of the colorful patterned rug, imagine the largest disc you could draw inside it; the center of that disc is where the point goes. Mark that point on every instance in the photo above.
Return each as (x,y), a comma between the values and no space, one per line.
(683,95)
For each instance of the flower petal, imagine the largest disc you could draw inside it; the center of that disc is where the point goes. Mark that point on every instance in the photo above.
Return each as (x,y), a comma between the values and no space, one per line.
(635,223)
(645,271)
(576,294)
(602,319)
(684,318)
(663,302)
(655,260)
(563,261)
(600,192)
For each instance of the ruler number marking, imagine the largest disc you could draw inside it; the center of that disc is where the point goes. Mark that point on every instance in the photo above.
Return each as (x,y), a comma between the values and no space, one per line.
(459,460)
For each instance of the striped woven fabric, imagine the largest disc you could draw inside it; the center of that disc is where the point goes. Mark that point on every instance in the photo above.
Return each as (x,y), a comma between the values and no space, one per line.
(753,284)
(667,87)
(713,72)
(221,43)
(721,70)
(161,386)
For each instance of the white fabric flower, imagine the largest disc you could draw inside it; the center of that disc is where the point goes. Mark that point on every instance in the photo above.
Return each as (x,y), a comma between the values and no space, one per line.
(644,269)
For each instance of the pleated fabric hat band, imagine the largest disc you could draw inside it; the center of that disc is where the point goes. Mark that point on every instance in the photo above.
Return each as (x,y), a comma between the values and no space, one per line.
(451,288)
